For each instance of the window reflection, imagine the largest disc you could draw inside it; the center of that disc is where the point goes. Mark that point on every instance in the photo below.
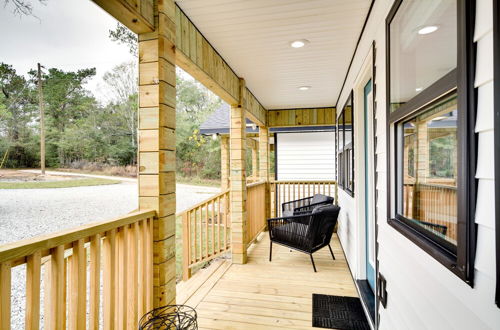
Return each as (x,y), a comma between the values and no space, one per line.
(430,170)
(423,37)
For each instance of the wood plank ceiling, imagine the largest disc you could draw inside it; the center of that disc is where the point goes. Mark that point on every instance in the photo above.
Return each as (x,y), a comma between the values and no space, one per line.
(254,38)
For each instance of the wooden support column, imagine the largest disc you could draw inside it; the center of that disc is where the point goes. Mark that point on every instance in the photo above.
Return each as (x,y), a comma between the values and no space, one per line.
(157,145)
(264,164)
(224,162)
(238,182)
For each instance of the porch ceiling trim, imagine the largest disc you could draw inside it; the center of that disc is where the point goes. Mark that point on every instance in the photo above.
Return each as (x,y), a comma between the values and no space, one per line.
(302,117)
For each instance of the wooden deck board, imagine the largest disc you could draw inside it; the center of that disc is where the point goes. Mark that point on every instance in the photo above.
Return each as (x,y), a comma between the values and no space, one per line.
(263,294)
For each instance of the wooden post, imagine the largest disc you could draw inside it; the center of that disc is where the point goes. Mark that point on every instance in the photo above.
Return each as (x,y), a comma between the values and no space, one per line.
(255,164)
(157,145)
(264,163)
(42,121)
(186,271)
(238,182)
(224,162)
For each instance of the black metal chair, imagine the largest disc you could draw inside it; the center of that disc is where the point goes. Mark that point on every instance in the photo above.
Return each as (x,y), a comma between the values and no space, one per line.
(307,233)
(305,205)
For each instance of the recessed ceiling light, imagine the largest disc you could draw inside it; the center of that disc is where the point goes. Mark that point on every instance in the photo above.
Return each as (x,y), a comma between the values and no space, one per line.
(418,89)
(299,43)
(304,88)
(428,29)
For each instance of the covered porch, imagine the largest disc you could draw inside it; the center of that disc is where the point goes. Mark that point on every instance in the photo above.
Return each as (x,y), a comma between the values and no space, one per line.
(131,261)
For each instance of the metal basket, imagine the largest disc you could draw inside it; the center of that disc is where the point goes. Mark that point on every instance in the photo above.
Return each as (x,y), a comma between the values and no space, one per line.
(169,317)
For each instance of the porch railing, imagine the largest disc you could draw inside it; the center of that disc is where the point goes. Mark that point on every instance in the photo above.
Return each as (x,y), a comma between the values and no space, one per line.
(117,254)
(256,210)
(205,232)
(286,191)
(432,203)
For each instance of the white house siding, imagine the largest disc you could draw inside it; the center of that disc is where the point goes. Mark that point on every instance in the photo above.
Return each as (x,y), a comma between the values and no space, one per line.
(423,294)
(306,156)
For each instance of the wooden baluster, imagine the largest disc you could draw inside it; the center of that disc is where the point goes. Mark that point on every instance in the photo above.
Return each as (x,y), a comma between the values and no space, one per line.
(109,280)
(218,224)
(195,234)
(78,284)
(122,275)
(132,302)
(226,208)
(149,269)
(213,226)
(57,307)
(95,280)
(206,229)
(141,288)
(33,270)
(5,294)
(186,271)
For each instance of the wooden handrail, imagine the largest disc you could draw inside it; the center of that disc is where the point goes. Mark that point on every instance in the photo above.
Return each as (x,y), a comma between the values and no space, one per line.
(203,202)
(205,229)
(67,258)
(26,247)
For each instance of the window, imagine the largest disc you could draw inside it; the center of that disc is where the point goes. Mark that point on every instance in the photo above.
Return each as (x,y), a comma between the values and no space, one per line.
(345,147)
(431,108)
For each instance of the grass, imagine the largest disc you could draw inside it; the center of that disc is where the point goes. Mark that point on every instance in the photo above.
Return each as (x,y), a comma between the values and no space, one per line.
(57,184)
(196,181)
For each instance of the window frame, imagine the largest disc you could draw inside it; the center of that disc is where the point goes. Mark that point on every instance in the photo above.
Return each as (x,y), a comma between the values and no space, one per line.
(460,79)
(343,157)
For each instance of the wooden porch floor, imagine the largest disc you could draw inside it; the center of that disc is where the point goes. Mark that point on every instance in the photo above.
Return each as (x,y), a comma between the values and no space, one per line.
(263,294)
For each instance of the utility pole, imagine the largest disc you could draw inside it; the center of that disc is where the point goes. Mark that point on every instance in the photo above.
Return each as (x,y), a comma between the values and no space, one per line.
(42,120)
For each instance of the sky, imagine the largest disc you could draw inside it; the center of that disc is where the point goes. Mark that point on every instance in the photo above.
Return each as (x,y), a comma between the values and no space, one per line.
(67,34)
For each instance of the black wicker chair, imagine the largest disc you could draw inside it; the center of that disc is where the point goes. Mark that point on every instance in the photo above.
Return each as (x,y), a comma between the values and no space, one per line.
(305,205)
(307,233)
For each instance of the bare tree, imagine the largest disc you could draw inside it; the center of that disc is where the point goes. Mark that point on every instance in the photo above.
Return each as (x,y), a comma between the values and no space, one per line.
(120,88)
(22,7)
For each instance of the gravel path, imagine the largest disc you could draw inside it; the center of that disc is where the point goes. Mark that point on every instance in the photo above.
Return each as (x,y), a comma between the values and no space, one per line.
(26,213)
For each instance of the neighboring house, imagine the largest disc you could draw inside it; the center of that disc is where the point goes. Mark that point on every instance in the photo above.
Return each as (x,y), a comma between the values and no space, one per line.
(301,153)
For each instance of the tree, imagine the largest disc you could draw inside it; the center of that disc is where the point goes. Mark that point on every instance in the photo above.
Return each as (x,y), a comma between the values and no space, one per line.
(66,101)
(17,111)
(122,35)
(121,91)
(21,7)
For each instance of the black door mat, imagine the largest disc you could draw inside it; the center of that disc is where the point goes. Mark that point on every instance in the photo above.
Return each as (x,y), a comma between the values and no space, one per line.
(337,312)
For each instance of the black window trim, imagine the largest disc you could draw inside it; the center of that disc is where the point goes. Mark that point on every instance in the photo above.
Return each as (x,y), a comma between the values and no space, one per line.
(462,78)
(496,110)
(342,160)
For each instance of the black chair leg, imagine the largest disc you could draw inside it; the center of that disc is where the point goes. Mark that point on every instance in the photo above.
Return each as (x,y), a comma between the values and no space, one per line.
(312,260)
(331,251)
(271,252)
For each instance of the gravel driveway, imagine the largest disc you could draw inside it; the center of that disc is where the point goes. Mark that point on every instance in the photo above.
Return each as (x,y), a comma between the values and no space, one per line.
(27,213)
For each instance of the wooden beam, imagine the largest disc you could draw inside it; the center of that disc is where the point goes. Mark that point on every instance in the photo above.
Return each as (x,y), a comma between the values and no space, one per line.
(137,15)
(302,117)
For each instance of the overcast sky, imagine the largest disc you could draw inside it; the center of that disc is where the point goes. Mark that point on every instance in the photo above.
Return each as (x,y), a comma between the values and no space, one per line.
(68,34)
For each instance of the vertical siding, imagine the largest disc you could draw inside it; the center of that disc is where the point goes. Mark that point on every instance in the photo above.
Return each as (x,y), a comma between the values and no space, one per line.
(423,294)
(306,156)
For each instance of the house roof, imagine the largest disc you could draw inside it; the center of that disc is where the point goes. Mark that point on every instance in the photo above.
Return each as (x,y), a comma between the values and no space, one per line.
(218,123)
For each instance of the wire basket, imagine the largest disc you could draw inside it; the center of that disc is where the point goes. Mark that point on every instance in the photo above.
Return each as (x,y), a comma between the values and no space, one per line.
(170,317)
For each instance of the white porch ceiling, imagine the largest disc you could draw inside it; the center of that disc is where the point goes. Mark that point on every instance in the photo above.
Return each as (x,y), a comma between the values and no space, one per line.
(253,36)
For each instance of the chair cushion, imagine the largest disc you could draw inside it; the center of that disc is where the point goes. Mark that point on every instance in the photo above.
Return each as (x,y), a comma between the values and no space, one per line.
(319,208)
(287,213)
(319,198)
